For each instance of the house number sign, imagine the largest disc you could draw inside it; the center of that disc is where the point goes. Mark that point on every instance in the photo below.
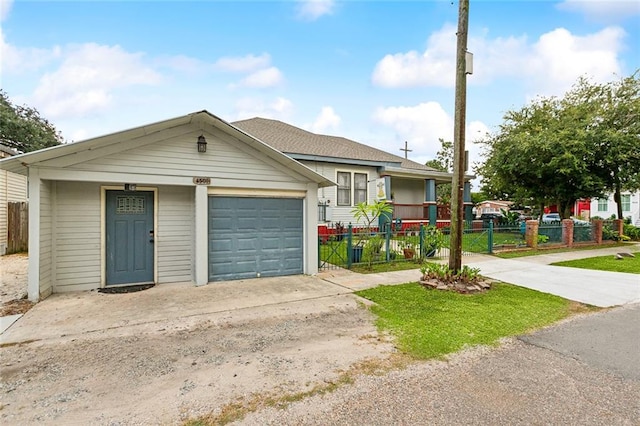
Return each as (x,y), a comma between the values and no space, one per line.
(202,180)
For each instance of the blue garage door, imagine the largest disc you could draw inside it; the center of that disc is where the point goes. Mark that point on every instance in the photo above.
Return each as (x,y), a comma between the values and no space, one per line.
(254,237)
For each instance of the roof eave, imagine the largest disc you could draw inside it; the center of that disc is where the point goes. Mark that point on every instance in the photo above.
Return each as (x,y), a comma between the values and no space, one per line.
(440,177)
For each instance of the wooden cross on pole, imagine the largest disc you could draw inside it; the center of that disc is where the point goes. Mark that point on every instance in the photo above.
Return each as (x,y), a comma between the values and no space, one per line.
(405,149)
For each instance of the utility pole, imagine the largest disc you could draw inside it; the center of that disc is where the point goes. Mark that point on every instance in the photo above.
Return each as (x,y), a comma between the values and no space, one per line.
(405,149)
(457,185)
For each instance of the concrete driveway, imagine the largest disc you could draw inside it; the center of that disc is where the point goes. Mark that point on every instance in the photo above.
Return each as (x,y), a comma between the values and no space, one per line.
(90,312)
(69,314)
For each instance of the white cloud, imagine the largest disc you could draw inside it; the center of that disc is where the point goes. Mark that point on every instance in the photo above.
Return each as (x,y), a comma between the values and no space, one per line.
(327,119)
(314,9)
(247,63)
(548,65)
(87,79)
(5,8)
(268,77)
(602,11)
(279,109)
(421,126)
(434,67)
(17,60)
(559,58)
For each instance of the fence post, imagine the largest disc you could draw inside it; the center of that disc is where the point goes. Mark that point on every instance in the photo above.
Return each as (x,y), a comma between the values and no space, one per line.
(567,232)
(490,237)
(422,251)
(388,242)
(597,231)
(349,245)
(531,233)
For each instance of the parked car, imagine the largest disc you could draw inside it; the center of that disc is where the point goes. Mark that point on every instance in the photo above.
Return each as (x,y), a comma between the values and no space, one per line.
(581,222)
(551,217)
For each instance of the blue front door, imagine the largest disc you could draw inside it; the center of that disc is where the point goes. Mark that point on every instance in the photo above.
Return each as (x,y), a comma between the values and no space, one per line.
(130,239)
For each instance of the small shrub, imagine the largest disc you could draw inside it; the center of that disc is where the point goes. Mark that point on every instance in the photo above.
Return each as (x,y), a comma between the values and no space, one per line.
(543,239)
(633,232)
(442,273)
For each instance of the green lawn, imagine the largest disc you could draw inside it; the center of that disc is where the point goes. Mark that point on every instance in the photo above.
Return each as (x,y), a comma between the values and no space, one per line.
(477,242)
(629,265)
(431,323)
(531,252)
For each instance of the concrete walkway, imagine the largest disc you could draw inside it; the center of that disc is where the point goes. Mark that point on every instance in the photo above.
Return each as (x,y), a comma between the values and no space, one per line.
(598,288)
(178,305)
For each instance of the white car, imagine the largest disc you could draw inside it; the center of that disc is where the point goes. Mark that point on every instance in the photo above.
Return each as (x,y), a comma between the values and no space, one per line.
(551,217)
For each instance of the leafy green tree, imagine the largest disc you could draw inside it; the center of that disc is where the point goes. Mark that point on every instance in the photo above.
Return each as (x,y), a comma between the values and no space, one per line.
(612,128)
(443,163)
(23,129)
(557,150)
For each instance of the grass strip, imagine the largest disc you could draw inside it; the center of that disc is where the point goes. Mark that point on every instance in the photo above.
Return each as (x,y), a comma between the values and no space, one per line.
(237,410)
(630,265)
(431,323)
(542,250)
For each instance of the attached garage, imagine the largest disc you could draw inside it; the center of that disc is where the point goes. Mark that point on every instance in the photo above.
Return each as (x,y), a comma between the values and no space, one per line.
(253,237)
(192,198)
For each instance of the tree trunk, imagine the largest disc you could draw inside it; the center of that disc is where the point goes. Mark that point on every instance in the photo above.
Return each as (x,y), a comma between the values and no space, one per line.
(617,198)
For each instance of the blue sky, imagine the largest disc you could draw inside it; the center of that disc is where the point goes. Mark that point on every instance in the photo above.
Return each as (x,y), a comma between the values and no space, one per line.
(378,72)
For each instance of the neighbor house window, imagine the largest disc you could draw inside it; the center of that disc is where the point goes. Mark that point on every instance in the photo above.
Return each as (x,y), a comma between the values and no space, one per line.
(626,202)
(602,205)
(344,189)
(360,188)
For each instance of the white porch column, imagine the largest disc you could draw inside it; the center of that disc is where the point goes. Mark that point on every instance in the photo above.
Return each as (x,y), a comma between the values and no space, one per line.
(33,281)
(201,236)
(311,230)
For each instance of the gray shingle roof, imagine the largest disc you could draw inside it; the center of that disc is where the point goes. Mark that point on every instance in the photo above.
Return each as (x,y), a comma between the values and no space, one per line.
(293,140)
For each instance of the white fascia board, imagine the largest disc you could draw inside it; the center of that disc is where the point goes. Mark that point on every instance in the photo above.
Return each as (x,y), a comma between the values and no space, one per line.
(421,174)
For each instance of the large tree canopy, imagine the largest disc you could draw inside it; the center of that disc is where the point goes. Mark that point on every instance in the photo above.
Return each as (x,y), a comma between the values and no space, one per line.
(23,129)
(557,150)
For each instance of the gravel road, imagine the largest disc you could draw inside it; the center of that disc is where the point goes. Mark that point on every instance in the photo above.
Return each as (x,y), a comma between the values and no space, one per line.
(517,384)
(179,371)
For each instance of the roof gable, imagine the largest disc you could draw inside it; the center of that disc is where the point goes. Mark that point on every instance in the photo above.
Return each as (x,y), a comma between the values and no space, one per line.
(298,142)
(119,142)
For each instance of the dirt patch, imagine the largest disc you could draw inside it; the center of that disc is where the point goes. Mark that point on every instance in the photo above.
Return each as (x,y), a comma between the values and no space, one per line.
(167,374)
(13,277)
(13,284)
(14,307)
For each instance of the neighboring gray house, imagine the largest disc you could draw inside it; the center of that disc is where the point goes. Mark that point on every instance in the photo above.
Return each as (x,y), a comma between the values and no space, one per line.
(190,199)
(363,173)
(13,188)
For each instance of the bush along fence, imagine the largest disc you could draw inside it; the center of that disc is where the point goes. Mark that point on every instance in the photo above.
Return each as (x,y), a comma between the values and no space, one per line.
(344,246)
(350,245)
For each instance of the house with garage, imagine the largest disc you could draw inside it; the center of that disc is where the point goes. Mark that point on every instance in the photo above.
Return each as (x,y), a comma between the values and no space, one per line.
(190,199)
(363,173)
(13,201)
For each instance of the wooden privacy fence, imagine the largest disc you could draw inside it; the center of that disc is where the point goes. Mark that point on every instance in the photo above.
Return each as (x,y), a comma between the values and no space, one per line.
(17,227)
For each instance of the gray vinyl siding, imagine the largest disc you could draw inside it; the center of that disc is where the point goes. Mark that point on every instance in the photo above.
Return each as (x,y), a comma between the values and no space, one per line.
(330,170)
(77,239)
(46,235)
(224,160)
(175,239)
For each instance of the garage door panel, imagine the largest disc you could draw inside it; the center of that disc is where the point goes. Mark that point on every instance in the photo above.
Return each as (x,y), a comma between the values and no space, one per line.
(251,236)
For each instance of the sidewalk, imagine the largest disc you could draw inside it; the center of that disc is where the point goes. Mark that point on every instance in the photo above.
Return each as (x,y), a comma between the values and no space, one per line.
(598,288)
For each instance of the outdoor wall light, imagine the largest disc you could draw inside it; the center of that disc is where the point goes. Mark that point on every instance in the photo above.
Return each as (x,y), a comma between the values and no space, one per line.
(202,144)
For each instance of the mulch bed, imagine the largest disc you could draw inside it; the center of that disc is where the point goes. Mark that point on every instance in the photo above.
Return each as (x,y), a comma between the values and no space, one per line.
(15,307)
